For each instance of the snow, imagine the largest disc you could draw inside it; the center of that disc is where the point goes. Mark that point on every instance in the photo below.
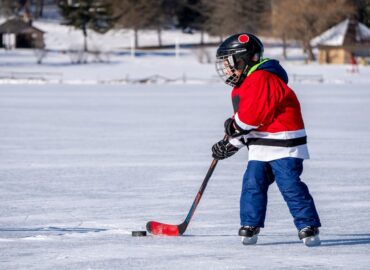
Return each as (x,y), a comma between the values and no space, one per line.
(83,166)
(59,37)
(21,67)
(84,161)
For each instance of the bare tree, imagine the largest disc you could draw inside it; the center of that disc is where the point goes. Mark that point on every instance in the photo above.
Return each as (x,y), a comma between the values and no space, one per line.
(39,10)
(303,20)
(8,7)
(162,11)
(235,16)
(141,14)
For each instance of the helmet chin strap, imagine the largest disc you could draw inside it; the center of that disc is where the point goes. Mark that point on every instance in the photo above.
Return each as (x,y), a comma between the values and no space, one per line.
(246,69)
(243,74)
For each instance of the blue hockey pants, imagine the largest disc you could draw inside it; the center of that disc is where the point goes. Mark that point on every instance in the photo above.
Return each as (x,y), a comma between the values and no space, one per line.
(286,172)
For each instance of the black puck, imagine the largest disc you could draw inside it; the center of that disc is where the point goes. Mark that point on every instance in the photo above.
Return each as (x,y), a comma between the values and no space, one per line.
(138,233)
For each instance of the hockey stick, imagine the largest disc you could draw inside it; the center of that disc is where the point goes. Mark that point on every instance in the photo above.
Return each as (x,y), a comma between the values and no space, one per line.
(158,228)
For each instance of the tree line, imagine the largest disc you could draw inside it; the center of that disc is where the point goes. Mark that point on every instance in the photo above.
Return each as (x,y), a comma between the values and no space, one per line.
(286,19)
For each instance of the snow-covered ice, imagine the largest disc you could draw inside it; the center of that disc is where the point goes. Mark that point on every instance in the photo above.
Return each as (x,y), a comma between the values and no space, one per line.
(82,165)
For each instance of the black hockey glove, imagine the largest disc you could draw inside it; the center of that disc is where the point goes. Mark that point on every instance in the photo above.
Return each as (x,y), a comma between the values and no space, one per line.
(223,149)
(232,129)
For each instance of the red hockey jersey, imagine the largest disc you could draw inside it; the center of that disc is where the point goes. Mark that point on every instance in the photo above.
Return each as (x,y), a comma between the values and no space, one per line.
(266,107)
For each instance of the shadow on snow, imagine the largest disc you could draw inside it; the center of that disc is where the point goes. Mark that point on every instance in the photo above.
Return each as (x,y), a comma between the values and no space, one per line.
(29,232)
(356,239)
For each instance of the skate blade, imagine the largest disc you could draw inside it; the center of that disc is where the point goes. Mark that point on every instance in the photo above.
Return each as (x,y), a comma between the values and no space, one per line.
(312,241)
(249,240)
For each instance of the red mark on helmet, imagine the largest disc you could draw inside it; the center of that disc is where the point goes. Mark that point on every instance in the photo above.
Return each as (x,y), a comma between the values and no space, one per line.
(243,38)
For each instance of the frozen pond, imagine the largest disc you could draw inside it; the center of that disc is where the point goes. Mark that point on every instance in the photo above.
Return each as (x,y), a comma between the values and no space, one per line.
(83,166)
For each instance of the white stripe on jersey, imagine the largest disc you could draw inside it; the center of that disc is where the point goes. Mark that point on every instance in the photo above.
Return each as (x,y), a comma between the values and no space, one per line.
(244,126)
(268,153)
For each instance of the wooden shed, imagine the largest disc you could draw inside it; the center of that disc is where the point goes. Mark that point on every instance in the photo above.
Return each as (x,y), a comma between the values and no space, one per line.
(15,33)
(338,44)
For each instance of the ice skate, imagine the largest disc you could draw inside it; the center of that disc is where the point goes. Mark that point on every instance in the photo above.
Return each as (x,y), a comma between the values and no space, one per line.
(249,234)
(310,236)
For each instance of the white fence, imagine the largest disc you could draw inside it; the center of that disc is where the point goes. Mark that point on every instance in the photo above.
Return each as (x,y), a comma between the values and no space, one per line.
(31,77)
(57,78)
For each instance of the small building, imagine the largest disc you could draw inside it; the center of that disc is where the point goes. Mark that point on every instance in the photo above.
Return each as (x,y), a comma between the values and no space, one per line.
(16,33)
(342,42)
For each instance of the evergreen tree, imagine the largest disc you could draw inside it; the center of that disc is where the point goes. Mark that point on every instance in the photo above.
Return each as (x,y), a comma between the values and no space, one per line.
(363,11)
(193,14)
(88,14)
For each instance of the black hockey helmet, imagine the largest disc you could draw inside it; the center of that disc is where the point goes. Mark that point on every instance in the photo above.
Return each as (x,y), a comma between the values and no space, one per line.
(236,55)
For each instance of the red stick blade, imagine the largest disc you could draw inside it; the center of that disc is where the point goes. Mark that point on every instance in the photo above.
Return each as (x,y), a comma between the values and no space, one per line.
(158,228)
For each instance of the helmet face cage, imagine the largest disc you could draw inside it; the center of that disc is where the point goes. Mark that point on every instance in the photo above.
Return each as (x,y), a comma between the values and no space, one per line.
(229,68)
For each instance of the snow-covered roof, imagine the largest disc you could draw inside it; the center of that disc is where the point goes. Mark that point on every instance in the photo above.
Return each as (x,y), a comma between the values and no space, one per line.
(363,31)
(17,26)
(336,35)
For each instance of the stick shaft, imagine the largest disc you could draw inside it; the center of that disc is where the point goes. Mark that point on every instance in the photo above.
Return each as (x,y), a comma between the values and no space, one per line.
(201,191)
(176,230)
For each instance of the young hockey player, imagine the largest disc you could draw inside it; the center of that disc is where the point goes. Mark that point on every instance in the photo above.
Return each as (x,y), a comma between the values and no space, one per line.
(267,119)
